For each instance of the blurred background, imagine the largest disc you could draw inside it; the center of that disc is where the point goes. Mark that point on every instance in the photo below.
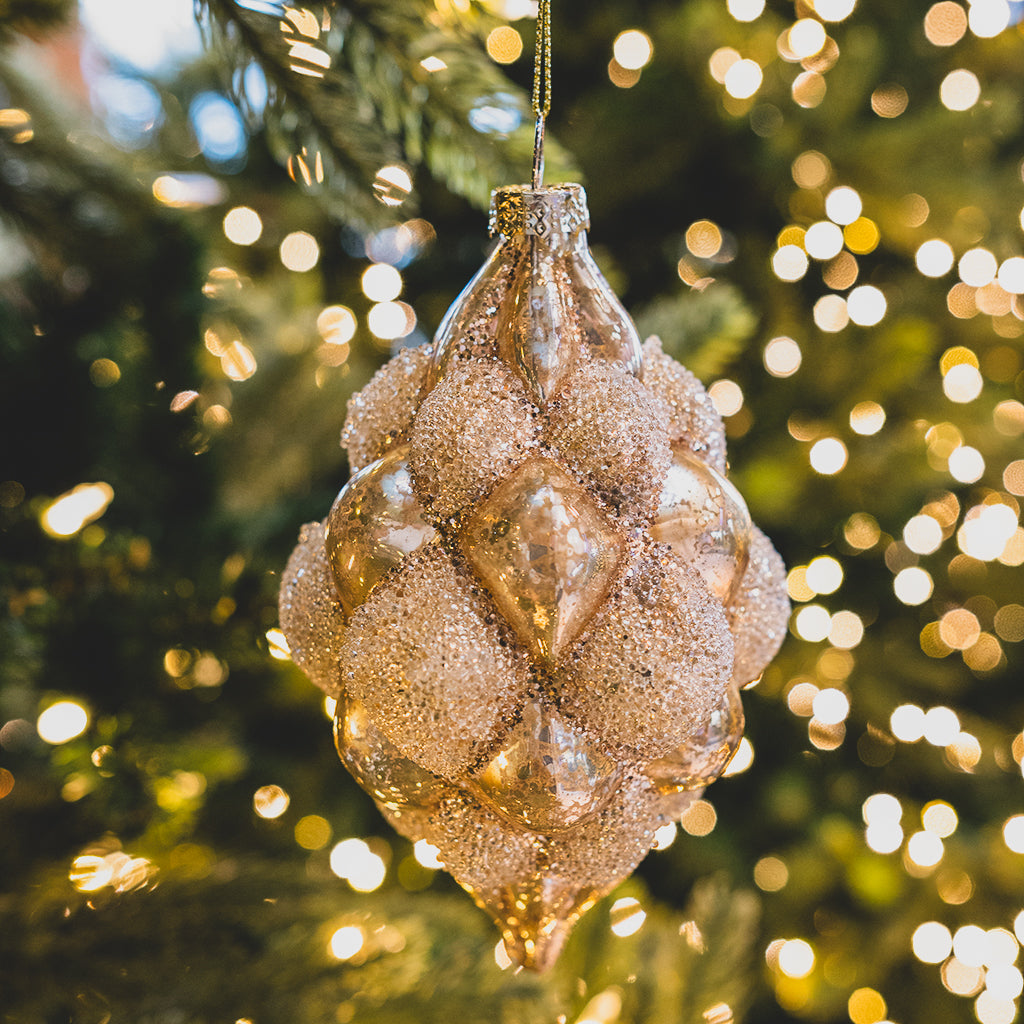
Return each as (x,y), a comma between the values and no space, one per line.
(216,223)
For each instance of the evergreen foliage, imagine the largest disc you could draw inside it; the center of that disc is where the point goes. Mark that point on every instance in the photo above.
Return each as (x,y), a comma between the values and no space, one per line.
(127,324)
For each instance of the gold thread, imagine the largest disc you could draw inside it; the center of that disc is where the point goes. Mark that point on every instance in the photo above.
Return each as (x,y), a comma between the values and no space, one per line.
(542,61)
(541,87)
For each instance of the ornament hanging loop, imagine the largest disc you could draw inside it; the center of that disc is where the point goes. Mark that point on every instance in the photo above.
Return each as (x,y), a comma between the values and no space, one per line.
(538,154)
(541,88)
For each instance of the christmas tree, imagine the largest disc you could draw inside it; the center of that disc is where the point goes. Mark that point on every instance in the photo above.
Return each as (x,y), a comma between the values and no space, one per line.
(208,248)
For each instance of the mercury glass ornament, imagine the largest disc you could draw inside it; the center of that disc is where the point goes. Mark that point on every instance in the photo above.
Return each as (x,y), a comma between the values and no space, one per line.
(547,592)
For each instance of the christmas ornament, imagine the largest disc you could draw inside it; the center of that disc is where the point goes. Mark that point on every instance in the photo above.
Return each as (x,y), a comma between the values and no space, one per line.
(537,598)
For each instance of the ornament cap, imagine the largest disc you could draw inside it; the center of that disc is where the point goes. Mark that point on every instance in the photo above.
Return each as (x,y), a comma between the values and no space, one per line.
(555,213)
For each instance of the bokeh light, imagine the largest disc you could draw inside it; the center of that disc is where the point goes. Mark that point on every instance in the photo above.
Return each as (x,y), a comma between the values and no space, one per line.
(823,240)
(703,239)
(790,263)
(61,722)
(960,90)
(504,44)
(941,724)
(1013,833)
(627,916)
(889,100)
(743,79)
(866,1006)
(940,818)
(963,383)
(867,418)
(934,258)
(966,464)
(726,396)
(354,861)
(828,456)
(745,10)
(945,24)
(987,18)
(932,942)
(426,855)
(834,10)
(300,251)
(391,320)
(75,509)
(830,313)
(796,958)
(806,37)
(633,49)
(977,267)
(347,942)
(771,874)
(812,623)
(336,324)
(742,758)
(907,723)
(866,305)
(699,819)
(824,575)
(381,282)
(831,706)
(925,849)
(782,357)
(270,802)
(242,225)
(922,534)
(913,585)
(843,205)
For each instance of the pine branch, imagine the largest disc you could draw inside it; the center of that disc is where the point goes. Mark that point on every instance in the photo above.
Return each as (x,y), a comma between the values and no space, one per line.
(347,95)
(252,939)
(32,17)
(705,330)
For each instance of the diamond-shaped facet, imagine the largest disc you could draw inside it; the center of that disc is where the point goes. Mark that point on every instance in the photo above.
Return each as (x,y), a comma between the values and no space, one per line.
(547,776)
(546,554)
(538,334)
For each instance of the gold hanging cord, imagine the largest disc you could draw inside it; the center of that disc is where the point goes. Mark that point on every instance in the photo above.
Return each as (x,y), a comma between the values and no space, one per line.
(541,87)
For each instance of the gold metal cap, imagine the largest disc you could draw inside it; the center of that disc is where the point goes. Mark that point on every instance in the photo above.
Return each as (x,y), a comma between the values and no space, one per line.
(555,213)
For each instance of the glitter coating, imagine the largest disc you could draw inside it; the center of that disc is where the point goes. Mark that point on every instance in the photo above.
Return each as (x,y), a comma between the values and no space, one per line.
(613,437)
(381,414)
(759,613)
(692,417)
